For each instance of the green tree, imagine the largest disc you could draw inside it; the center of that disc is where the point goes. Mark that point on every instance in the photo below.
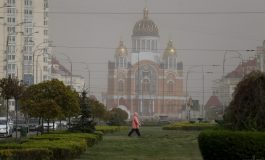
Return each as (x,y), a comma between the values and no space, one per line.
(11,88)
(40,99)
(116,116)
(247,109)
(98,109)
(85,121)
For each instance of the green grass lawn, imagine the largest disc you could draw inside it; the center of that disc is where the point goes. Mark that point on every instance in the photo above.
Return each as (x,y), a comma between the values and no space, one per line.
(155,144)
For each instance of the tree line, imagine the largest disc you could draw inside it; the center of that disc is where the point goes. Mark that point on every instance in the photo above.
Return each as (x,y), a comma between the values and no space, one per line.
(52,100)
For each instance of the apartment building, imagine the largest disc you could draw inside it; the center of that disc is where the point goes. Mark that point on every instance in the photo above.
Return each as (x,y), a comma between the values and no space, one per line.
(24,40)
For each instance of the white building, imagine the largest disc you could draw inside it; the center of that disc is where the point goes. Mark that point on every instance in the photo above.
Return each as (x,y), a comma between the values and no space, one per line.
(24,49)
(24,40)
(61,73)
(224,88)
(261,57)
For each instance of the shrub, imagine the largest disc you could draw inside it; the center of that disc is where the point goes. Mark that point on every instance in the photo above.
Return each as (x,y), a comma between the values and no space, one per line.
(25,154)
(110,129)
(231,145)
(188,126)
(247,109)
(63,146)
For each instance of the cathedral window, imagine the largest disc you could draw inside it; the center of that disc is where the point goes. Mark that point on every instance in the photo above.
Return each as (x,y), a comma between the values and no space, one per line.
(121,86)
(170,88)
(148,45)
(138,46)
(134,45)
(143,45)
(146,86)
(153,45)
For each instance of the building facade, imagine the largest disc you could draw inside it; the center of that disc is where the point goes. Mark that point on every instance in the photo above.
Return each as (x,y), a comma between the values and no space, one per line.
(144,80)
(225,87)
(25,52)
(61,73)
(261,57)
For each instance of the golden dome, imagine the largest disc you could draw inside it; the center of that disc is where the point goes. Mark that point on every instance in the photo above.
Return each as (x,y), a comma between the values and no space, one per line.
(145,27)
(121,50)
(170,50)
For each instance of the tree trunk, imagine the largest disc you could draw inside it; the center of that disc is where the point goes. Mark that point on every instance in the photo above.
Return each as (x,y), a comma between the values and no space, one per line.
(48,129)
(16,103)
(7,109)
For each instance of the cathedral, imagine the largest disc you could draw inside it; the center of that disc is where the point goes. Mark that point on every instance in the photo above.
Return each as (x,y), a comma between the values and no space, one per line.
(144,80)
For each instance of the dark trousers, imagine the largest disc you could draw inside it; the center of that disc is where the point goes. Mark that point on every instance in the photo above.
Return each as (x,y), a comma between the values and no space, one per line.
(136,130)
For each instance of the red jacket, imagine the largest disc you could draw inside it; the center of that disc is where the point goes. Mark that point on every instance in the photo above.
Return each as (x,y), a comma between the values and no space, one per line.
(135,121)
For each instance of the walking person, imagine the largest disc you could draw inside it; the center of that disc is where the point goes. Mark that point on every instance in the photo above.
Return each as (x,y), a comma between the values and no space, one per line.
(135,125)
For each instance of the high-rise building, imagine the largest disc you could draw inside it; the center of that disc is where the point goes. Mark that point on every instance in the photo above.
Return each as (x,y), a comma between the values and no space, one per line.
(24,41)
(261,57)
(144,80)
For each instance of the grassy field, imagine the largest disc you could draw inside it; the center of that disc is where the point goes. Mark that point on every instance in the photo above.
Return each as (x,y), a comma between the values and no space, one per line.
(155,144)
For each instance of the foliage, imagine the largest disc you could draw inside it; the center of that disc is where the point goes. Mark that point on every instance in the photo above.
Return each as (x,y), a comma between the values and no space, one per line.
(110,129)
(116,117)
(189,126)
(247,109)
(231,145)
(25,154)
(49,100)
(97,109)
(85,121)
(65,146)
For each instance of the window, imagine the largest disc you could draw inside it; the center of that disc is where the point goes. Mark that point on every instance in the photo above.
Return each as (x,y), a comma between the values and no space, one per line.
(148,45)
(170,88)
(146,86)
(11,57)
(134,44)
(138,46)
(11,29)
(11,39)
(143,45)
(120,86)
(45,32)
(153,45)
(45,68)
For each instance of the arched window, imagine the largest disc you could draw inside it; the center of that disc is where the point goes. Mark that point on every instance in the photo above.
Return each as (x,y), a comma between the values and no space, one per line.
(120,86)
(170,88)
(146,86)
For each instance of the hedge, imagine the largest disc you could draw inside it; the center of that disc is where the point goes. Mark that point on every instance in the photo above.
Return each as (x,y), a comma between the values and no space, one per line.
(231,145)
(49,146)
(189,126)
(110,129)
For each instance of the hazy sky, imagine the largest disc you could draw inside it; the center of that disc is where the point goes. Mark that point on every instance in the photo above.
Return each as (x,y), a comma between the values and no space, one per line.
(200,39)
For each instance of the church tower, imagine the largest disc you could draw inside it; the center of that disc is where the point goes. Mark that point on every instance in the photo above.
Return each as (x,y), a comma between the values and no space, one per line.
(143,80)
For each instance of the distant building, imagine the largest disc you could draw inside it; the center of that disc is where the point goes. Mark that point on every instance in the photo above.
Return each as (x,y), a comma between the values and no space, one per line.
(261,57)
(24,49)
(224,88)
(214,109)
(145,80)
(61,73)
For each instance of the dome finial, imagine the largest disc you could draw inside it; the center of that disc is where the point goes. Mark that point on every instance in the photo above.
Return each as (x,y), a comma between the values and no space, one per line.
(145,13)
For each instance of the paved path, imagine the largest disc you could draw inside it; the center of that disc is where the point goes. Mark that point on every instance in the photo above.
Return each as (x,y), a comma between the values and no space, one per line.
(155,144)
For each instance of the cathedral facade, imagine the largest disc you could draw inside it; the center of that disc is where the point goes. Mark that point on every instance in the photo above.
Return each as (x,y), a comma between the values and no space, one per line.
(144,80)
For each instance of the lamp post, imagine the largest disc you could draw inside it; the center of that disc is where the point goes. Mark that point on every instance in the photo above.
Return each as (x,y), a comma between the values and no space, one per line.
(88,71)
(71,68)
(240,56)
(33,59)
(187,77)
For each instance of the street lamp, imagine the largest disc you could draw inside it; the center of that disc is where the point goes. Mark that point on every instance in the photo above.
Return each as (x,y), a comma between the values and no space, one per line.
(33,59)
(71,68)
(88,71)
(240,56)
(187,77)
